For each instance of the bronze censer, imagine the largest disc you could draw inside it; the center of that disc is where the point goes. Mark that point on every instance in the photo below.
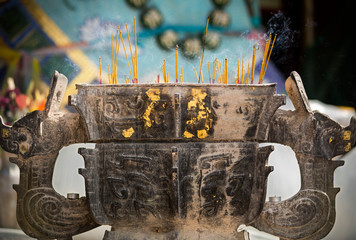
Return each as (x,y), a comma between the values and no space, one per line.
(176,161)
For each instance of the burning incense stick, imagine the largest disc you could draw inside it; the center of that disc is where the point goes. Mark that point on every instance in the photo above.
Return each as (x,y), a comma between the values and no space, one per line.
(125,79)
(242,71)
(117,48)
(253,64)
(264,59)
(238,72)
(136,67)
(248,72)
(225,71)
(214,70)
(209,72)
(132,59)
(164,71)
(100,69)
(201,71)
(196,74)
(219,71)
(109,76)
(182,77)
(123,44)
(202,56)
(176,63)
(269,55)
(112,54)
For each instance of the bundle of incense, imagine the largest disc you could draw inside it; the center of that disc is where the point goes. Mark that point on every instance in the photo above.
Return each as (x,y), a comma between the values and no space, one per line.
(269,55)
(265,60)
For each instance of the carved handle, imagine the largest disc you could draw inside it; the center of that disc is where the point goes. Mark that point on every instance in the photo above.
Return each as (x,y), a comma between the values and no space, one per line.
(37,139)
(315,138)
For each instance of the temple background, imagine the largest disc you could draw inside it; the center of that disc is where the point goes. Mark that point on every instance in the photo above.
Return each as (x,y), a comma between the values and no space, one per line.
(315,38)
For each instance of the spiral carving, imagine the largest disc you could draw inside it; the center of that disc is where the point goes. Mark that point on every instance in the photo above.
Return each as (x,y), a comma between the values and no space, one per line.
(305,213)
(54,215)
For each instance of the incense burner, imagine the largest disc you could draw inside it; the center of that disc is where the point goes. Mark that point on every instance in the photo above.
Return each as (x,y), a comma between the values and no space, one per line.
(176,161)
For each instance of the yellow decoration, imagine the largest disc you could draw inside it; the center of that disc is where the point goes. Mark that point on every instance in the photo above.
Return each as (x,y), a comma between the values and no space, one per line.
(5,133)
(348,147)
(188,134)
(128,132)
(347,135)
(153,96)
(202,133)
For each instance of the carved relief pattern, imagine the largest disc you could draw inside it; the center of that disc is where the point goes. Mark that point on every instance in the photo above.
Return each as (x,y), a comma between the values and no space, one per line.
(136,186)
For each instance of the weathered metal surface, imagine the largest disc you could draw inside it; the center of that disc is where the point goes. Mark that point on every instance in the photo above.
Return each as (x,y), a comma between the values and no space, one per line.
(176,111)
(176,161)
(176,187)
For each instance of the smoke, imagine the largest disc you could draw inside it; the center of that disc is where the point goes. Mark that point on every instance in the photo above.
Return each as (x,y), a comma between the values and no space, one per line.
(287,38)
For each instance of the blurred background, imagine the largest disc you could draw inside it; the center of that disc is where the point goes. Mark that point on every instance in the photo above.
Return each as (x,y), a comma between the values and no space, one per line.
(315,38)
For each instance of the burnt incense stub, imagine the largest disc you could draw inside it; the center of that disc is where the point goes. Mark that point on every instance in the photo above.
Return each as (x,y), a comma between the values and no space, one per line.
(176,161)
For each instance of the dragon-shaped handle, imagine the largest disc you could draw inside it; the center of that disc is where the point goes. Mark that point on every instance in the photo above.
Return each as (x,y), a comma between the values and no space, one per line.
(315,139)
(36,139)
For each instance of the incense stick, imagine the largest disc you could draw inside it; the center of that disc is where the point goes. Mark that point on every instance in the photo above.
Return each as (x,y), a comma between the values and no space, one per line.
(136,67)
(238,71)
(209,72)
(269,55)
(253,63)
(123,44)
(196,74)
(248,72)
(202,56)
(176,63)
(109,76)
(225,71)
(201,71)
(182,76)
(112,54)
(132,59)
(214,70)
(242,71)
(264,59)
(100,69)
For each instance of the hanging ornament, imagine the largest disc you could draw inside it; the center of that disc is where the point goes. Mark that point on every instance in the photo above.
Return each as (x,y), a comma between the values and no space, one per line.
(212,40)
(191,46)
(168,39)
(219,18)
(151,18)
(221,3)
(136,3)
